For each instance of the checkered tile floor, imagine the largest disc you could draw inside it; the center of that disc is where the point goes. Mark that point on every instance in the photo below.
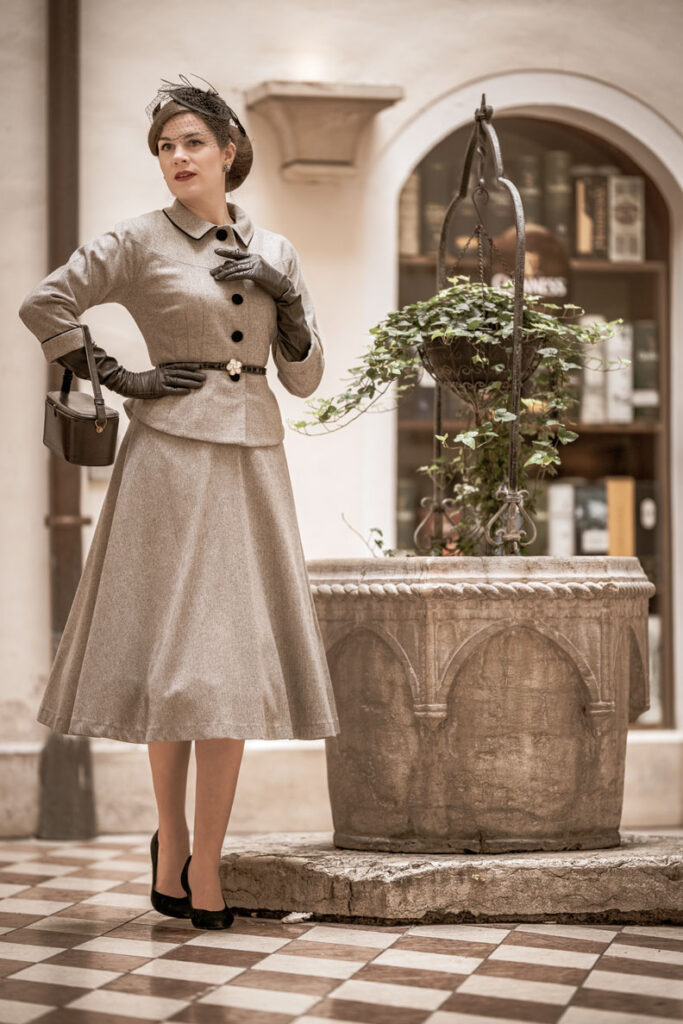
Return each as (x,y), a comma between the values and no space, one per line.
(80,945)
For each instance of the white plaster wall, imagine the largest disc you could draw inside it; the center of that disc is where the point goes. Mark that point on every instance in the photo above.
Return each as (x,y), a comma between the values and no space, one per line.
(24,595)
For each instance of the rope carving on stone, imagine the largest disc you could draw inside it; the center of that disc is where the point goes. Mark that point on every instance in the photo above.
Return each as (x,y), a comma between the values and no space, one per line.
(587,590)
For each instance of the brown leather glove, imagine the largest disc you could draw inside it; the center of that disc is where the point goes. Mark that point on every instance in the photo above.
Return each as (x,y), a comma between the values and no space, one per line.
(154,383)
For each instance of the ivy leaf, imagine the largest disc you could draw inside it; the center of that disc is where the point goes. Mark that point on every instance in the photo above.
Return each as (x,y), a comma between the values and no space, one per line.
(503,416)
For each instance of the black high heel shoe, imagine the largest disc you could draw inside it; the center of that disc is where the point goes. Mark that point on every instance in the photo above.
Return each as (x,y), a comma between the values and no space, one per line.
(205,918)
(171,906)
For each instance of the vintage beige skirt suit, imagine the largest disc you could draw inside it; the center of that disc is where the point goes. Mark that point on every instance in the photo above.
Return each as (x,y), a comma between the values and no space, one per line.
(194,617)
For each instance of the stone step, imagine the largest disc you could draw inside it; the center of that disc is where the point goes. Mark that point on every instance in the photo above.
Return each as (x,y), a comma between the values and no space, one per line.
(638,882)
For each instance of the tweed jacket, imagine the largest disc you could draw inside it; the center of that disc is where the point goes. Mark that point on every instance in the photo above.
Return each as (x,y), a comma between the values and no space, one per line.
(157,266)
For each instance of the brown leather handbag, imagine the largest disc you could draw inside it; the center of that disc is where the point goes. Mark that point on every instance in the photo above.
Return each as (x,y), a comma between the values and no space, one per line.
(78,426)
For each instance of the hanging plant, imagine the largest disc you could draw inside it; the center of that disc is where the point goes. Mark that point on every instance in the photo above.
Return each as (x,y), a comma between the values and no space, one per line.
(463,336)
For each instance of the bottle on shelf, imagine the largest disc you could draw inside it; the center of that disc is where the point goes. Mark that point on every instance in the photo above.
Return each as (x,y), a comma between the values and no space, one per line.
(645,370)
(409,217)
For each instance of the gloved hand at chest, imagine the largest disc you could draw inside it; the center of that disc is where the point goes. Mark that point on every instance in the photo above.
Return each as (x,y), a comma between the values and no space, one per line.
(154,383)
(294,336)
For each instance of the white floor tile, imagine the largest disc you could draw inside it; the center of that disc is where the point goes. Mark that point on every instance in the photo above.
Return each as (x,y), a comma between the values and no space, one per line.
(40,867)
(516,988)
(570,931)
(462,932)
(240,940)
(56,974)
(11,889)
(587,1015)
(638,984)
(318,966)
(212,974)
(25,951)
(411,958)
(124,900)
(137,866)
(12,1012)
(547,957)
(649,953)
(453,1017)
(350,936)
(78,884)
(77,925)
(127,947)
(15,905)
(11,858)
(128,1004)
(272,1000)
(83,853)
(414,996)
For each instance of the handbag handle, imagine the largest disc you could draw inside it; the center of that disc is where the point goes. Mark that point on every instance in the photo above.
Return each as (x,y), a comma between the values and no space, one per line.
(100,416)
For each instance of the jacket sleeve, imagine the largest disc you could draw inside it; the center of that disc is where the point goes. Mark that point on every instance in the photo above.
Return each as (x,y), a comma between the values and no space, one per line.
(99,271)
(301,377)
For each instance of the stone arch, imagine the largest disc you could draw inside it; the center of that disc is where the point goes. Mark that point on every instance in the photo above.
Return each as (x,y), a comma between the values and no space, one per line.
(487,633)
(390,640)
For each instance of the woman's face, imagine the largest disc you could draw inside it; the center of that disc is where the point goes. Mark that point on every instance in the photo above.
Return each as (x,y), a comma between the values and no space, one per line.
(187,147)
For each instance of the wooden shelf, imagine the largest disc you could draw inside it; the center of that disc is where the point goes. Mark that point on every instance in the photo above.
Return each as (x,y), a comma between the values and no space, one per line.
(636,427)
(576,264)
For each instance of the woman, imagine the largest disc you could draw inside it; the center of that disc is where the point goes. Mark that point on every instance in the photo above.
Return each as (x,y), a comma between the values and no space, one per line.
(193,619)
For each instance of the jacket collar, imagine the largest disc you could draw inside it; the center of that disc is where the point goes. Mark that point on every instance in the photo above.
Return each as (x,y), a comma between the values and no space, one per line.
(195,227)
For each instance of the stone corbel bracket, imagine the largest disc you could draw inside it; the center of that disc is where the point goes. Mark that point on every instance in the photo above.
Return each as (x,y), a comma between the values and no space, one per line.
(319,124)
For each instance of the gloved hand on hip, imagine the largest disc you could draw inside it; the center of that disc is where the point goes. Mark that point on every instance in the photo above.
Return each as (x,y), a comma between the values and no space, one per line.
(294,336)
(154,383)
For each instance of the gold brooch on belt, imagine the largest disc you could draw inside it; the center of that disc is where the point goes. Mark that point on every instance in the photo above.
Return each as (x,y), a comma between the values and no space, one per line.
(234,368)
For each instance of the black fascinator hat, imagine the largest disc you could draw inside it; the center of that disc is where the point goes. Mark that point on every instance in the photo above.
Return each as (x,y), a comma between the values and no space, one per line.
(176,98)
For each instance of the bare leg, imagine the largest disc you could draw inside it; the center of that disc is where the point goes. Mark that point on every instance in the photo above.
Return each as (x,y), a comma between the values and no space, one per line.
(169,762)
(218,765)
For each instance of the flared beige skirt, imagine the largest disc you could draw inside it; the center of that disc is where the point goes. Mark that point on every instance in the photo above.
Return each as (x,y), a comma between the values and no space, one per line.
(193,617)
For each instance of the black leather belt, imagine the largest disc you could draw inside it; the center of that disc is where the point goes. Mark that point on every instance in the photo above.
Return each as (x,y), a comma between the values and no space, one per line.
(233,366)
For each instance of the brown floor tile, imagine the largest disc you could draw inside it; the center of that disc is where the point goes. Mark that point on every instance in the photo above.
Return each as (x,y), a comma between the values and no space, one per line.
(543,941)
(37,992)
(626,939)
(17,878)
(11,966)
(101,961)
(368,1013)
(34,937)
(327,950)
(623,966)
(266,926)
(209,955)
(452,947)
(629,1002)
(167,988)
(70,1015)
(492,1006)
(133,888)
(18,920)
(409,976)
(35,892)
(202,1013)
(284,982)
(533,972)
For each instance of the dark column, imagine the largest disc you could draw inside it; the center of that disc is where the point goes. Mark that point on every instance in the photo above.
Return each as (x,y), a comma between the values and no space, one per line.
(67,807)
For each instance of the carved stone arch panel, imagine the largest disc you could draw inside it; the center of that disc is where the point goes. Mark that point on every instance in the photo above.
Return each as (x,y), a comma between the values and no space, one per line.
(371,761)
(487,633)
